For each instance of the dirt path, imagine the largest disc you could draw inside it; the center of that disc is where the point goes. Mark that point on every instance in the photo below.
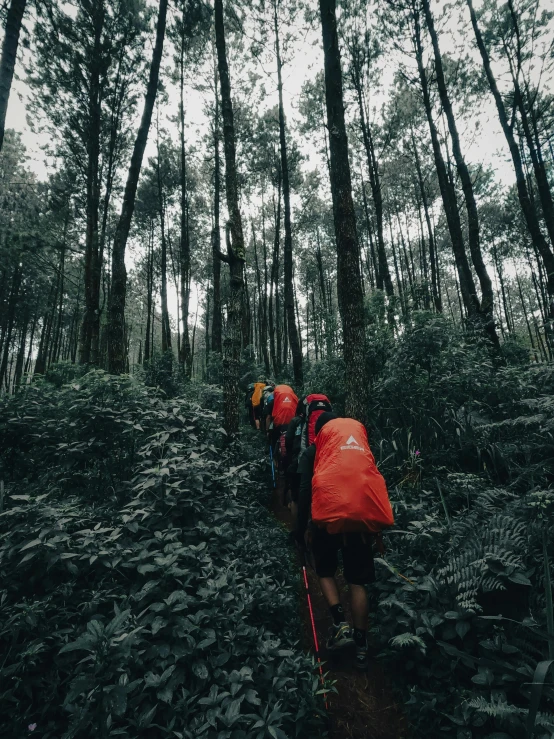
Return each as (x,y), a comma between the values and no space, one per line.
(365,707)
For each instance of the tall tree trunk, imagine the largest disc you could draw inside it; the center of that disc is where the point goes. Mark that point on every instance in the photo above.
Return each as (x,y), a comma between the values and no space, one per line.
(235,240)
(246,312)
(12,306)
(529,211)
(448,192)
(349,286)
(117,353)
(90,325)
(274,307)
(294,341)
(487,297)
(166,330)
(533,143)
(7,60)
(216,238)
(262,303)
(377,271)
(149,285)
(324,301)
(500,271)
(185,357)
(18,372)
(58,332)
(375,183)
(434,281)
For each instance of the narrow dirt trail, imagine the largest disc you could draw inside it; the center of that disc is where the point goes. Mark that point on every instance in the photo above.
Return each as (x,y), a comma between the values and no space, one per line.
(365,707)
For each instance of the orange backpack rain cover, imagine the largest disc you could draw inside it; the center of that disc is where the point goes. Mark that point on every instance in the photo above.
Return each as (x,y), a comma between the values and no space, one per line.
(257,394)
(348,491)
(284,405)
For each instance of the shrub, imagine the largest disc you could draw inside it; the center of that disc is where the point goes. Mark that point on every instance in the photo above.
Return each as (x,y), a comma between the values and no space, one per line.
(165,609)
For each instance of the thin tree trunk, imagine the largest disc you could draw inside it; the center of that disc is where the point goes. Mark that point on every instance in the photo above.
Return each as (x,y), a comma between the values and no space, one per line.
(235,240)
(166,330)
(12,306)
(274,307)
(91,317)
(529,211)
(262,311)
(18,373)
(216,239)
(487,296)
(351,301)
(7,60)
(294,340)
(116,344)
(185,354)
(533,144)
(149,286)
(448,193)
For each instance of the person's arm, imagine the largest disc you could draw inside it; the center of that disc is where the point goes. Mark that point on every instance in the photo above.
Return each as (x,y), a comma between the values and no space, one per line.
(306,471)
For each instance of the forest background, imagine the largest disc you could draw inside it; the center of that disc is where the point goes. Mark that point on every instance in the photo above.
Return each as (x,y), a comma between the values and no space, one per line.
(190,226)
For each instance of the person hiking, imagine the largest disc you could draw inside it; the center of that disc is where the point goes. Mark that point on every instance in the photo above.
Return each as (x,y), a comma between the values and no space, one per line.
(257,399)
(248,404)
(281,407)
(280,411)
(343,502)
(267,395)
(300,434)
(293,444)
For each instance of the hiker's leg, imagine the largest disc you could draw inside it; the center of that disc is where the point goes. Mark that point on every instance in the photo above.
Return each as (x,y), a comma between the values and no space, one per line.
(294,512)
(359,570)
(330,590)
(325,551)
(359,605)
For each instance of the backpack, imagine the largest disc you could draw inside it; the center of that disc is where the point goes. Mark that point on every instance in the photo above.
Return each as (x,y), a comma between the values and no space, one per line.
(284,405)
(257,394)
(348,491)
(315,405)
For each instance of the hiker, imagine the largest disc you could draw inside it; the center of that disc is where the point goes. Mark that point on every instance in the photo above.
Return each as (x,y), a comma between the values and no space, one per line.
(280,411)
(248,405)
(281,407)
(257,399)
(299,435)
(267,396)
(293,442)
(343,502)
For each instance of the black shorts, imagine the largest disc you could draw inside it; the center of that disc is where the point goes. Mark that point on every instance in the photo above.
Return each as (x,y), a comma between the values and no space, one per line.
(357,555)
(257,411)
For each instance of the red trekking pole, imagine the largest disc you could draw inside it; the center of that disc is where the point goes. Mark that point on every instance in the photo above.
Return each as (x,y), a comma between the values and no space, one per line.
(316,645)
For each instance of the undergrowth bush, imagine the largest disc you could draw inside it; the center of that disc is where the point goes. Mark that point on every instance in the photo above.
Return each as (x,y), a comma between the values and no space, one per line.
(161,605)
(465,440)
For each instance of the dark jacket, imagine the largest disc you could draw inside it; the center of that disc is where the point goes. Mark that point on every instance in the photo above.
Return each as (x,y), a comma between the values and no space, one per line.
(292,439)
(305,470)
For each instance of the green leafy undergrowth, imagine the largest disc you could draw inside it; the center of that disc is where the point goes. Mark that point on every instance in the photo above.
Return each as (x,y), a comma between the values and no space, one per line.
(155,604)
(465,628)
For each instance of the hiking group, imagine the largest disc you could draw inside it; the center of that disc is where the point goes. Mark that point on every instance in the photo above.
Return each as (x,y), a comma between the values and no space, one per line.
(324,471)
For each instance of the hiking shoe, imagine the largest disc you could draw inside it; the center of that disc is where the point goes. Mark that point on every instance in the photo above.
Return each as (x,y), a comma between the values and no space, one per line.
(362,662)
(340,636)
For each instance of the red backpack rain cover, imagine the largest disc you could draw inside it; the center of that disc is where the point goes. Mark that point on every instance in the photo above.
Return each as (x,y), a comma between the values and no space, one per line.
(284,405)
(316,404)
(348,491)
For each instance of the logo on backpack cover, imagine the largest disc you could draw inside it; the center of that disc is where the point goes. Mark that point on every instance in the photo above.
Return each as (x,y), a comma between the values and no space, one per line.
(287,400)
(352,444)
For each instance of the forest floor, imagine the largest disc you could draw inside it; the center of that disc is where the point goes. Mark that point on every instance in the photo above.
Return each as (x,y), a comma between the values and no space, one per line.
(364,706)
